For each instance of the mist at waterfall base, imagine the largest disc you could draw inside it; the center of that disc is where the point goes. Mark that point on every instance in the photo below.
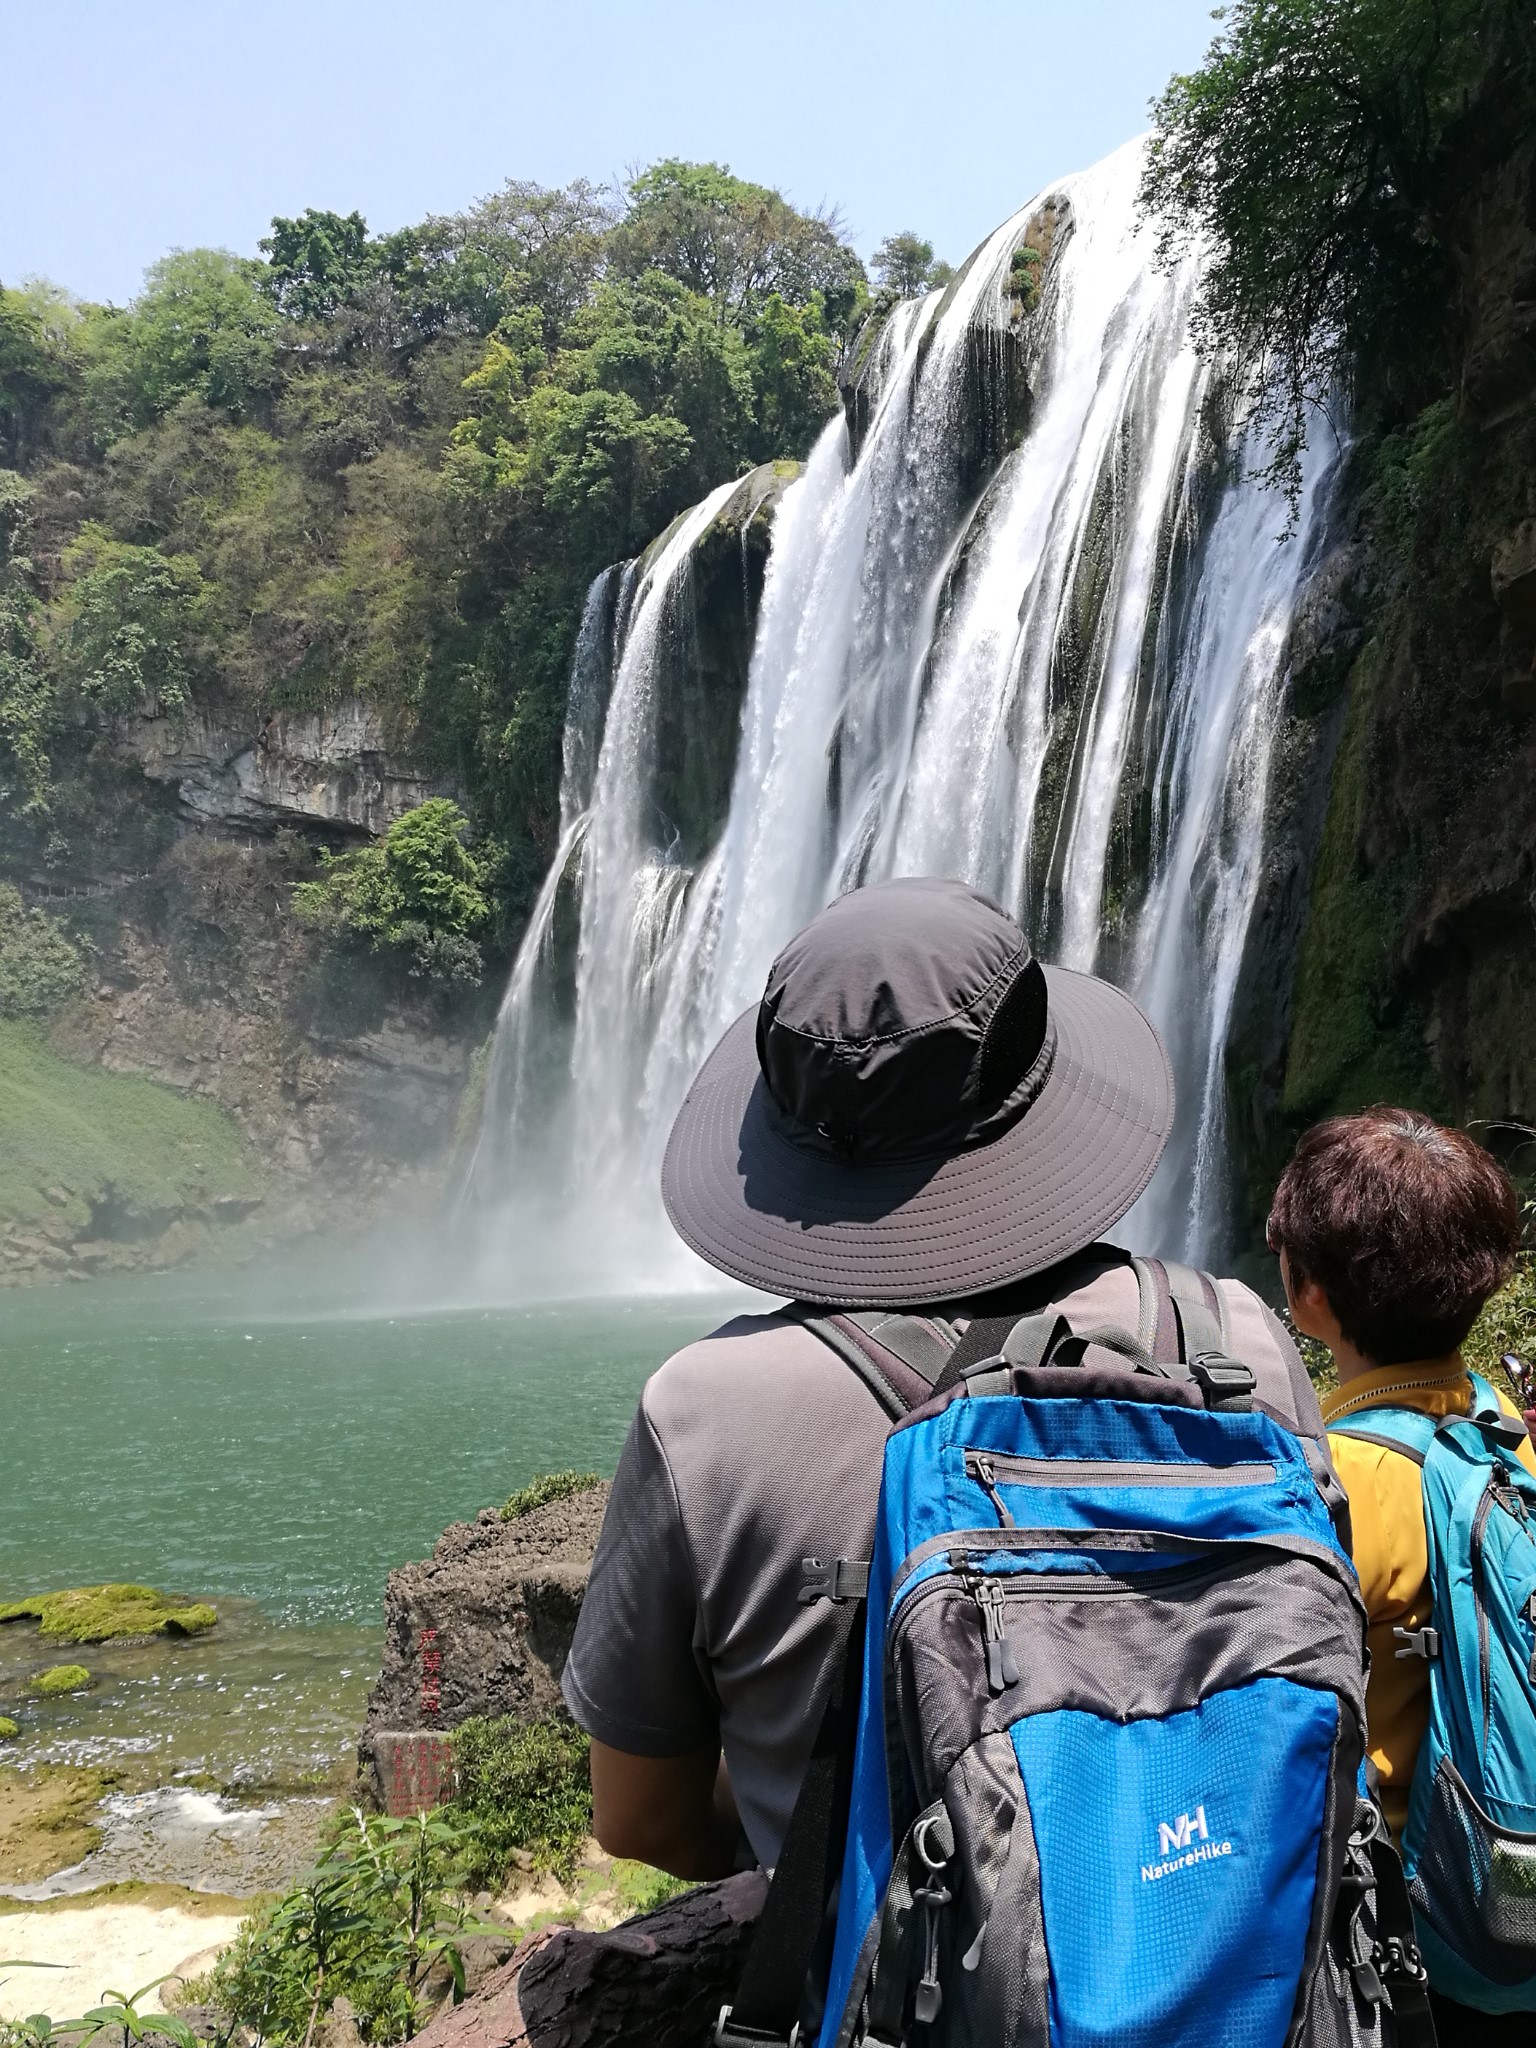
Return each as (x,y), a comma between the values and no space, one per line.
(1058,680)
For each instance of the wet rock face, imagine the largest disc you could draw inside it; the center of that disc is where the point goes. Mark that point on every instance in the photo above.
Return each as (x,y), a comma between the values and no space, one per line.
(483,1625)
(237,769)
(698,711)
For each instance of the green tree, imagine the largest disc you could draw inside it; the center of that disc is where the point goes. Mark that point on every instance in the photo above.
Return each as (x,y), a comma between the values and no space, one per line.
(905,265)
(419,890)
(129,625)
(26,696)
(730,241)
(317,263)
(201,327)
(1319,152)
(33,371)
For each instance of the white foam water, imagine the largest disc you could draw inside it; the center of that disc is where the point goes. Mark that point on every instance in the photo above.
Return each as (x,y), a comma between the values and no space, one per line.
(1062,688)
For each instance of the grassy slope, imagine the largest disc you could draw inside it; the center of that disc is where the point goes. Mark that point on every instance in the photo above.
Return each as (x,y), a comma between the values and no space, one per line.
(81,1128)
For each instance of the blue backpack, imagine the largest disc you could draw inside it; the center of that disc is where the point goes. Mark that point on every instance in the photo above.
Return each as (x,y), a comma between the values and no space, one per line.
(1106,1708)
(1469,1849)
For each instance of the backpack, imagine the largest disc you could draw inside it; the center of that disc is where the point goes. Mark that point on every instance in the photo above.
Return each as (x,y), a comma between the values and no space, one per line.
(1091,1774)
(1469,1848)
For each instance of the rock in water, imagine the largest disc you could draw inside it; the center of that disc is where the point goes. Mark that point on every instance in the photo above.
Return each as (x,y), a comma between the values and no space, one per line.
(484,1624)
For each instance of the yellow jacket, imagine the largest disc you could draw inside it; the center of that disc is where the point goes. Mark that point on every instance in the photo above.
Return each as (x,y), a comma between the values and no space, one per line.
(1392,1556)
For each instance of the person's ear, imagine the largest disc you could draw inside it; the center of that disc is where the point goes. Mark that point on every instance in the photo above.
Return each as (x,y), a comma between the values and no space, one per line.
(1310,1311)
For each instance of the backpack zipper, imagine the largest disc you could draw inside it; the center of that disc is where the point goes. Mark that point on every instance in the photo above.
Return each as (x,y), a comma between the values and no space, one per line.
(981,1467)
(989,1596)
(989,1468)
(992,1595)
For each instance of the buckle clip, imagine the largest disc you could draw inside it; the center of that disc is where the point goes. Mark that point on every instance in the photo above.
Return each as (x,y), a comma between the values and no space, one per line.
(1220,1378)
(1399,1961)
(1417,1642)
(840,1580)
(728,2036)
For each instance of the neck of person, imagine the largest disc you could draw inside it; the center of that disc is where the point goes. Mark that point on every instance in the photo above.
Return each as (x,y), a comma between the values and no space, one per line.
(1354,1365)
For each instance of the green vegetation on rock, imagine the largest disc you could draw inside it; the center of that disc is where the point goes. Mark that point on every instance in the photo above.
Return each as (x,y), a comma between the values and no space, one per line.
(545,1487)
(1317,152)
(386,465)
(525,1787)
(102,1614)
(41,966)
(72,1137)
(380,1913)
(59,1678)
(8,1728)
(419,889)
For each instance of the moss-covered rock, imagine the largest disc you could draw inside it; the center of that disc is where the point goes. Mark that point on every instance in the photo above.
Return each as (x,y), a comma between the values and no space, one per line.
(59,1678)
(8,1728)
(104,1614)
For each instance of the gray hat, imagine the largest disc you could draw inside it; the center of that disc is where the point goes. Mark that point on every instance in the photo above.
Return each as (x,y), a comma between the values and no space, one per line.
(917,1109)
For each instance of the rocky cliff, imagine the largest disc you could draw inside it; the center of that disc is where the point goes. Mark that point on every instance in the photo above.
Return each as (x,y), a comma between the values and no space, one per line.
(1390,957)
(483,1625)
(335,769)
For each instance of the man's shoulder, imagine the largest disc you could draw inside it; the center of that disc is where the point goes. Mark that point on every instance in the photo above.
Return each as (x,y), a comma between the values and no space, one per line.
(749,1366)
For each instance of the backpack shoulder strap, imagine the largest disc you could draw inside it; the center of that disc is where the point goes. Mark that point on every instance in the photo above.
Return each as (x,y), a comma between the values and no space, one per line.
(1406,1430)
(900,1358)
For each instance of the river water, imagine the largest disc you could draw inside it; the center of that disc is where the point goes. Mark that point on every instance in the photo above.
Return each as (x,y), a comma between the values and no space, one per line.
(276,1444)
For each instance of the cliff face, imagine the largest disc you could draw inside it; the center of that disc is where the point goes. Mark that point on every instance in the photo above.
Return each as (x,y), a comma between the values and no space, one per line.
(1391,955)
(334,769)
(483,1625)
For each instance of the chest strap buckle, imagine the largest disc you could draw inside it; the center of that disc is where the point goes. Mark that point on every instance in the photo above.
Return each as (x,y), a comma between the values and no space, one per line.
(1418,1642)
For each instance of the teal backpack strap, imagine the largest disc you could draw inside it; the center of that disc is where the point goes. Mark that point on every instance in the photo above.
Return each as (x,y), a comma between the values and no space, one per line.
(1406,1430)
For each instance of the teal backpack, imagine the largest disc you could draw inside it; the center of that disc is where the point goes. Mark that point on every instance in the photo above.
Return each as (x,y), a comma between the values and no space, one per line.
(1469,1849)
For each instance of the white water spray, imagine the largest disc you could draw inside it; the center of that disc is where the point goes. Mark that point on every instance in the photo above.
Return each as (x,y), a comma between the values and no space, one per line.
(1059,682)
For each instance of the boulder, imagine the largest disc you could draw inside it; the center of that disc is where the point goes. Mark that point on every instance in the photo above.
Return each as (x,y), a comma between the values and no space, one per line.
(483,1625)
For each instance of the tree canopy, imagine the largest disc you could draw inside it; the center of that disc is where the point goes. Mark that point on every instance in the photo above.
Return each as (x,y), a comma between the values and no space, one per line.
(905,264)
(389,464)
(1318,154)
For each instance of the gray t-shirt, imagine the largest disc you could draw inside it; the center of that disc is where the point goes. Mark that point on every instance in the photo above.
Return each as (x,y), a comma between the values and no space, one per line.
(753,1449)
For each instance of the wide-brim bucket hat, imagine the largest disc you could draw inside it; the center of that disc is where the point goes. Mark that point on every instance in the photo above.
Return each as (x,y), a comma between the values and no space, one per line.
(917,1110)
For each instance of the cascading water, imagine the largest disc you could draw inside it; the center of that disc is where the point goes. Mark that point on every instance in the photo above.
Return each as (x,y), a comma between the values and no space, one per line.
(1027,629)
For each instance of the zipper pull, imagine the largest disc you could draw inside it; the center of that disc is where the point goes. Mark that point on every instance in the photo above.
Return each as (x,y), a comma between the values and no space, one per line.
(984,1472)
(1002,1671)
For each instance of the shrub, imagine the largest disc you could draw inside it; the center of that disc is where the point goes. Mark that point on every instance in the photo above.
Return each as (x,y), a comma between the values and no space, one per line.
(59,1678)
(41,967)
(371,1922)
(544,1487)
(1508,1323)
(525,1787)
(419,890)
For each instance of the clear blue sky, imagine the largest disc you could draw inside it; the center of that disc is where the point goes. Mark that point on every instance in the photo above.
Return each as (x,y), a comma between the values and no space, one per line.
(135,126)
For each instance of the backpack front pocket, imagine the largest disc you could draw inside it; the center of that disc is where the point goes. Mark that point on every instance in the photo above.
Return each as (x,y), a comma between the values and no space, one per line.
(1179,1863)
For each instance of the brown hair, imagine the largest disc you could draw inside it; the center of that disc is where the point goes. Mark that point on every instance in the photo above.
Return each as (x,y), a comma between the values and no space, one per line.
(1407,1227)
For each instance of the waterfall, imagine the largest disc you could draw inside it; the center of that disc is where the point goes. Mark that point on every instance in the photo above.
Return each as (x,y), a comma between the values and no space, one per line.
(1026,626)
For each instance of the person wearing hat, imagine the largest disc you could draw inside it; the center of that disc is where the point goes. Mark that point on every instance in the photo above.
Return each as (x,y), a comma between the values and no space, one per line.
(917,1115)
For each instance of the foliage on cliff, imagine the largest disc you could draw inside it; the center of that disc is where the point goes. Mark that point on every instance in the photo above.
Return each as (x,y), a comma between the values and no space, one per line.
(1362,173)
(419,891)
(387,464)
(1322,151)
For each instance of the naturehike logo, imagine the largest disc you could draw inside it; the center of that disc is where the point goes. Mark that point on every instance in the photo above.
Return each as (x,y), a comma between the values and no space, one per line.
(1183,1843)
(1182,1833)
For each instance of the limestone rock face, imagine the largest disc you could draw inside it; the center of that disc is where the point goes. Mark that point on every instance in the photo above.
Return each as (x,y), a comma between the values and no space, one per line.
(335,767)
(483,1625)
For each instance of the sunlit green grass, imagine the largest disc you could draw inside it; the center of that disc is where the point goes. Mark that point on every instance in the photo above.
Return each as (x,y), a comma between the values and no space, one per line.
(81,1130)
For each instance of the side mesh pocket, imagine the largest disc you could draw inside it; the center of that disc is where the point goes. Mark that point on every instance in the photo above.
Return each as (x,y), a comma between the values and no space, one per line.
(1476,1883)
